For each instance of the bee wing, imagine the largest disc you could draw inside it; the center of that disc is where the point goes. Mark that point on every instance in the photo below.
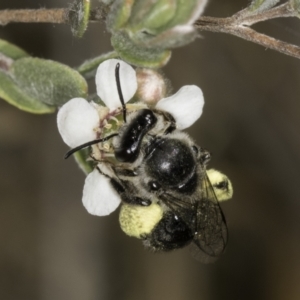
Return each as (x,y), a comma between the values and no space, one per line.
(181,207)
(205,218)
(211,231)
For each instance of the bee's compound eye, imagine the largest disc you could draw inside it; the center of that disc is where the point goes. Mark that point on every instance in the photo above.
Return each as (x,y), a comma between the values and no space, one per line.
(154,185)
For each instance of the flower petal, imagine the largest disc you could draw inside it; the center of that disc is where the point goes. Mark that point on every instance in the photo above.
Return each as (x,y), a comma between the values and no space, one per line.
(107,85)
(76,121)
(185,106)
(99,197)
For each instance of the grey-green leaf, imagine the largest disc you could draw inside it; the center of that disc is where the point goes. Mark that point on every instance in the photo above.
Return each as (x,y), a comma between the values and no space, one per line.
(261,5)
(79,13)
(89,67)
(11,51)
(138,56)
(48,81)
(10,92)
(81,157)
(295,5)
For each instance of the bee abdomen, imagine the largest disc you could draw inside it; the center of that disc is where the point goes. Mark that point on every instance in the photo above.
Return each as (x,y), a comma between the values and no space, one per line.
(169,234)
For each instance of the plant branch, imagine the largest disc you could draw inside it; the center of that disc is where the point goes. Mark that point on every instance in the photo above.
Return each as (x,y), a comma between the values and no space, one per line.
(228,25)
(43,15)
(246,17)
(237,25)
(34,16)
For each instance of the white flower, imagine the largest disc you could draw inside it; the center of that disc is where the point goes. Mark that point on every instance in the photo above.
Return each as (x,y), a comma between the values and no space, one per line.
(185,106)
(79,122)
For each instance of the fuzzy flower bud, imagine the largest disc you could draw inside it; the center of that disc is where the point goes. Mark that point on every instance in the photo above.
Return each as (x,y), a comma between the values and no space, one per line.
(152,86)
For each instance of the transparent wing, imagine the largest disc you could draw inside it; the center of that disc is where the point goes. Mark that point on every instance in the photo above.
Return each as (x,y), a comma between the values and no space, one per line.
(211,231)
(181,207)
(205,218)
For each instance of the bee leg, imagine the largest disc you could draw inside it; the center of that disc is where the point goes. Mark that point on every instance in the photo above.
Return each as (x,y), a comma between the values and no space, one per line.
(125,190)
(171,123)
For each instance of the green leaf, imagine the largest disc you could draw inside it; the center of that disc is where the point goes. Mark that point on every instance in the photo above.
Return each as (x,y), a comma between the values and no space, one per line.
(11,51)
(150,16)
(185,12)
(79,13)
(10,92)
(138,56)
(119,14)
(81,157)
(261,5)
(49,81)
(295,5)
(88,68)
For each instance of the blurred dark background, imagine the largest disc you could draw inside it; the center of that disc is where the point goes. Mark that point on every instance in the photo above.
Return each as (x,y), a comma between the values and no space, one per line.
(51,248)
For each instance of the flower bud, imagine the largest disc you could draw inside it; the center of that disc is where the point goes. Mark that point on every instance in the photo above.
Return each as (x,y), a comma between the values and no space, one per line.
(152,86)
(143,26)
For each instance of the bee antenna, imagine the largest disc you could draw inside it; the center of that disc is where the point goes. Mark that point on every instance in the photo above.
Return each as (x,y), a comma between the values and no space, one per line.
(117,73)
(72,151)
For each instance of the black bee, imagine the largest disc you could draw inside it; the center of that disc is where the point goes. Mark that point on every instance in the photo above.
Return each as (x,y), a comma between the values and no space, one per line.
(168,200)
